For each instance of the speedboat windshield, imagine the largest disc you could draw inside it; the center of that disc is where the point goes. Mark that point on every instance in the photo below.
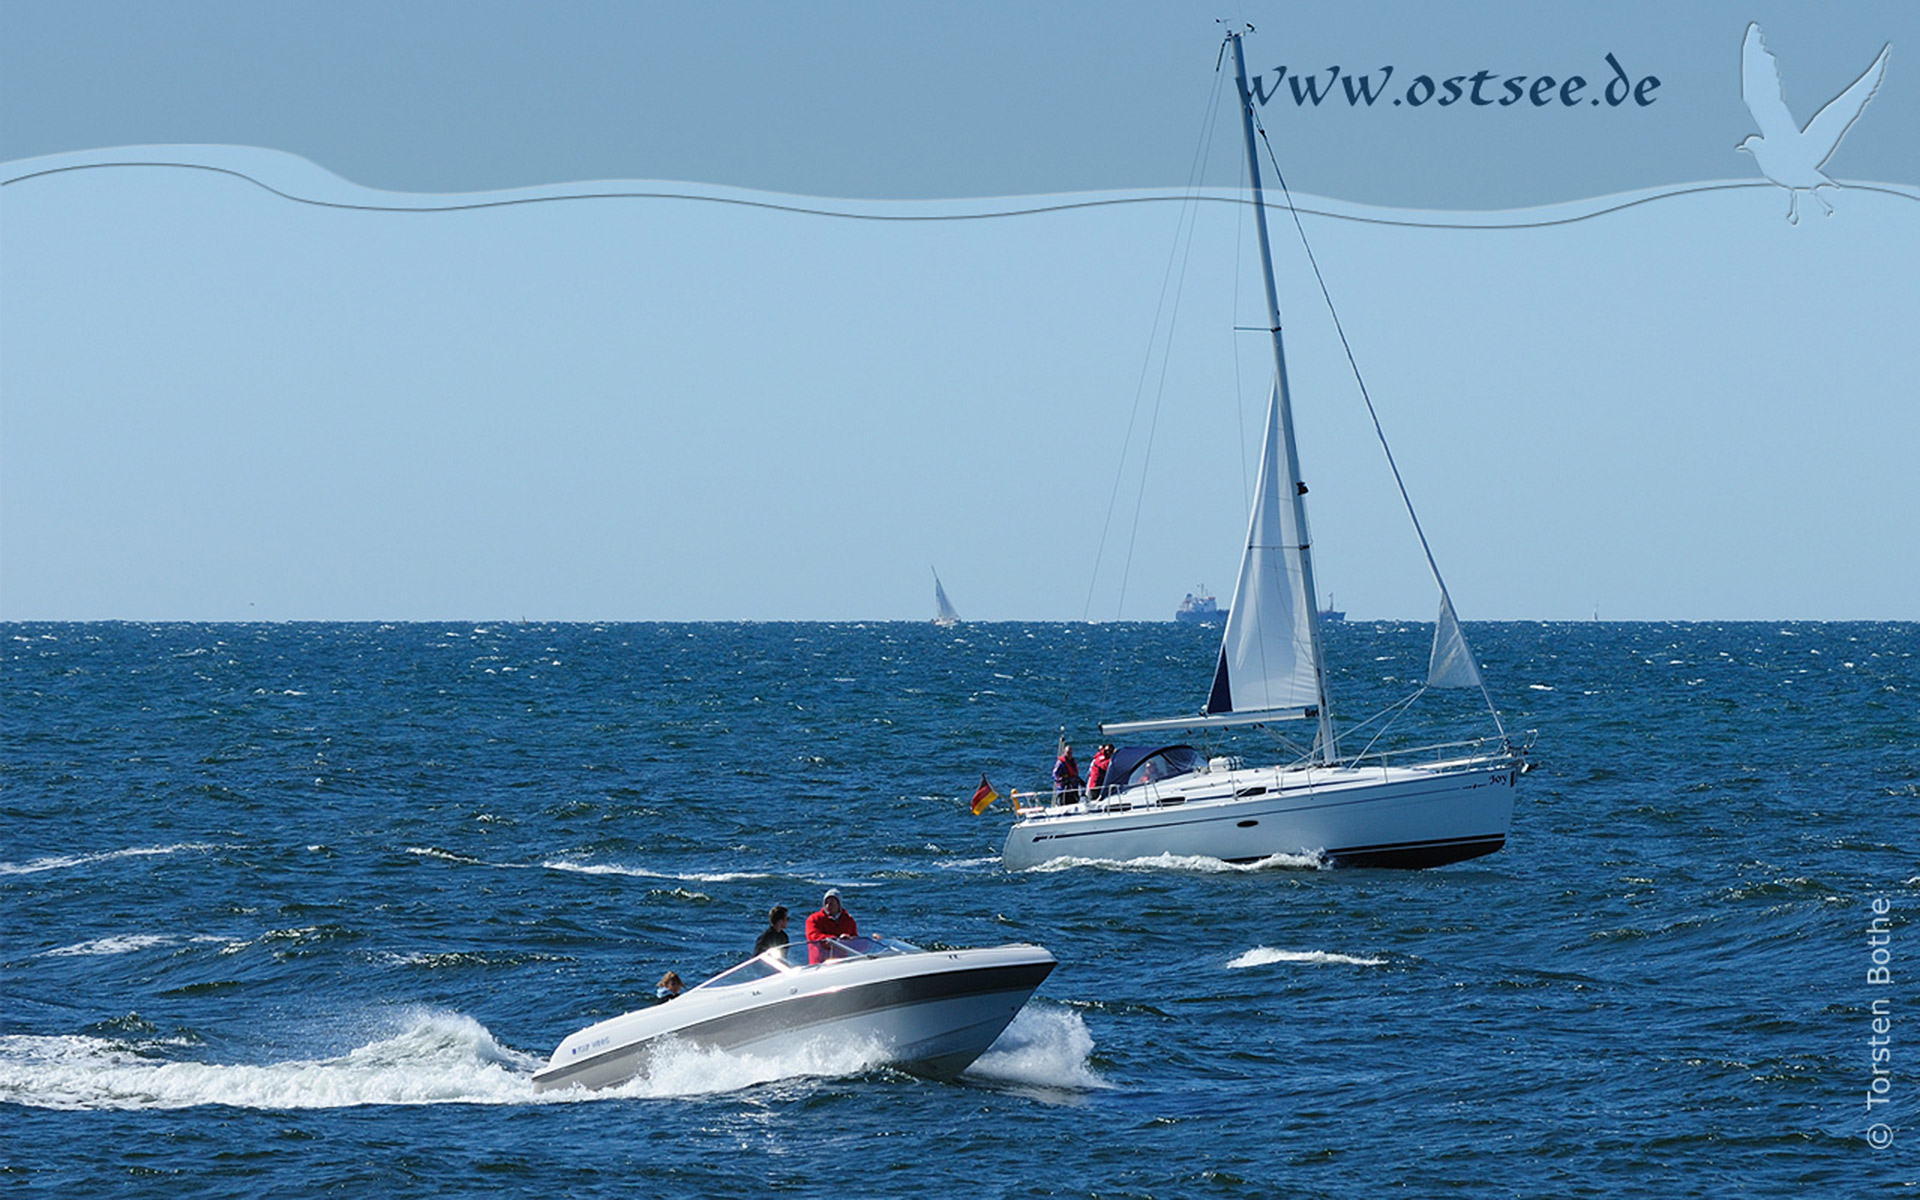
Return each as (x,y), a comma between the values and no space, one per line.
(795,955)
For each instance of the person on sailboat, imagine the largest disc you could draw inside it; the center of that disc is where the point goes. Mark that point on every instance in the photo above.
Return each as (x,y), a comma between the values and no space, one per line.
(1066,777)
(830,921)
(1097,770)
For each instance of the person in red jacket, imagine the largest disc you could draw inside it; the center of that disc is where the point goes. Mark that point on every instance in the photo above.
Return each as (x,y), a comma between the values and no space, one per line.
(832,921)
(1097,773)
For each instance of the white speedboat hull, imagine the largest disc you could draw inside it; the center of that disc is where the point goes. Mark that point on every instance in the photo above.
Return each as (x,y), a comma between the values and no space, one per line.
(929,1012)
(1352,816)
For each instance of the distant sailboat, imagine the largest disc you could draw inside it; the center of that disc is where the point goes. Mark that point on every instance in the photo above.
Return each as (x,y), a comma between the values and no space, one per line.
(1419,809)
(944,614)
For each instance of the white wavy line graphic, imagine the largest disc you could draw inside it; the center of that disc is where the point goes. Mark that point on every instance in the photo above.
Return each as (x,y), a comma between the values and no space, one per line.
(302,181)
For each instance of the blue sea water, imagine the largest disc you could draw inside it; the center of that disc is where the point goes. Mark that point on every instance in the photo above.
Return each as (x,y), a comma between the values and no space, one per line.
(297,909)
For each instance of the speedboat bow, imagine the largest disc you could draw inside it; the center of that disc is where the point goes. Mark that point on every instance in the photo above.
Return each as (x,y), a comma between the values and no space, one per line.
(932,1011)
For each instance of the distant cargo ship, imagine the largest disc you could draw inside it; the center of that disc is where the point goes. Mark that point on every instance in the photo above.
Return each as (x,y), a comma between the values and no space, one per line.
(1200,608)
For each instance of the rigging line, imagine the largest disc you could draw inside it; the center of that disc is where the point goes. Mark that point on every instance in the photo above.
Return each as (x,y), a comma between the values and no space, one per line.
(1023,211)
(1146,363)
(1398,710)
(1379,432)
(1196,172)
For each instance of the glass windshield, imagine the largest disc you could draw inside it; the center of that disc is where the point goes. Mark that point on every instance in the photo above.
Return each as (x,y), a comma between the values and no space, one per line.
(781,959)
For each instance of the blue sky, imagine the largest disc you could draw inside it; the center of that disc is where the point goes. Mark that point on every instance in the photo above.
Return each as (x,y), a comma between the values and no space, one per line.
(216,402)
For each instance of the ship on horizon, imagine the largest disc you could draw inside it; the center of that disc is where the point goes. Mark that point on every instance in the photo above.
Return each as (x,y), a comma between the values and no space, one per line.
(1200,608)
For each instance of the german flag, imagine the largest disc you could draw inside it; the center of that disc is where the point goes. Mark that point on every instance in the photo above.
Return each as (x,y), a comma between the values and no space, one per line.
(984,796)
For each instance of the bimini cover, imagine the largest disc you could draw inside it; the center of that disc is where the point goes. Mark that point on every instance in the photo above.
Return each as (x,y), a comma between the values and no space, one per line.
(1144,764)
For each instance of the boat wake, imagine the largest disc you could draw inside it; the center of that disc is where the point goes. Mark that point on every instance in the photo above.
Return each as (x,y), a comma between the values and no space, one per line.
(1198,863)
(683,1069)
(441,1057)
(437,1058)
(1261,956)
(1044,1048)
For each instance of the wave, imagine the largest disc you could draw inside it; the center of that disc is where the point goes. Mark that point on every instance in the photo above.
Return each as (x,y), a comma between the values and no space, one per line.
(1261,956)
(561,864)
(126,943)
(60,862)
(1189,862)
(450,856)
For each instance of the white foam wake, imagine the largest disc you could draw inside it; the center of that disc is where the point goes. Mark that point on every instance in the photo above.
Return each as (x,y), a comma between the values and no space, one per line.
(562,864)
(1190,862)
(1044,1047)
(683,1069)
(58,862)
(447,1058)
(437,1058)
(1261,956)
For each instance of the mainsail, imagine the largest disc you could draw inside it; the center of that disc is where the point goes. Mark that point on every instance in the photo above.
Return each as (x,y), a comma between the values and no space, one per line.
(1267,659)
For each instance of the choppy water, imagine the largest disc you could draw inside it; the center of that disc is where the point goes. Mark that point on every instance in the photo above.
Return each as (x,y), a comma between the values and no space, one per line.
(293,908)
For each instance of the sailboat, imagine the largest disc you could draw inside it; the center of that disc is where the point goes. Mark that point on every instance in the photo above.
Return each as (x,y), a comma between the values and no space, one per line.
(944,614)
(1408,809)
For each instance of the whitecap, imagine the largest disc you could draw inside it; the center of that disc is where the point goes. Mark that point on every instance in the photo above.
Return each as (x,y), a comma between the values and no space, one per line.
(57,862)
(446,855)
(125,943)
(561,864)
(1261,956)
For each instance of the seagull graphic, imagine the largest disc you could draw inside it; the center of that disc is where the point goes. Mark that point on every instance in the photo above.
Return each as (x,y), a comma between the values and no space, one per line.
(1787,154)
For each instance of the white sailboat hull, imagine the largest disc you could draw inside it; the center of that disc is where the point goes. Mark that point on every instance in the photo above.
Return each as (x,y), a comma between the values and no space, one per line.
(1419,816)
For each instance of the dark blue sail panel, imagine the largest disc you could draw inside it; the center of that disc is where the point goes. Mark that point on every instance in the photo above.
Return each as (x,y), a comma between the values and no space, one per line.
(1220,699)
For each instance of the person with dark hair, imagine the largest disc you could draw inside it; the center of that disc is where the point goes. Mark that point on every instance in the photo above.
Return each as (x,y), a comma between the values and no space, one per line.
(775,933)
(670,986)
(1097,770)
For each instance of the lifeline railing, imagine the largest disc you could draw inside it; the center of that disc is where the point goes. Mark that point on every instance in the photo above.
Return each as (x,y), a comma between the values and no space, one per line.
(1495,748)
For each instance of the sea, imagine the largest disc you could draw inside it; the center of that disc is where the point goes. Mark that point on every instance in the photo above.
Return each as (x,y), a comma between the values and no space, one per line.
(297,909)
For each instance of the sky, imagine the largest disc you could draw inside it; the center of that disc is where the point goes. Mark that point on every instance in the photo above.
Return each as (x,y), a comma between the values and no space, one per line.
(274,345)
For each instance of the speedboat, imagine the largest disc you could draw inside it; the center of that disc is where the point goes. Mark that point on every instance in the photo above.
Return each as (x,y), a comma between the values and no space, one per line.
(932,1012)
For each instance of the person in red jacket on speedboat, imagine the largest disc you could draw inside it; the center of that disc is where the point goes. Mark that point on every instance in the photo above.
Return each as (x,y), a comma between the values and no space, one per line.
(831,921)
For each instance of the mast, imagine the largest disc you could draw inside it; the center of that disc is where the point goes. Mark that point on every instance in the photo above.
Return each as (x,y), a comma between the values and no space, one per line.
(1324,743)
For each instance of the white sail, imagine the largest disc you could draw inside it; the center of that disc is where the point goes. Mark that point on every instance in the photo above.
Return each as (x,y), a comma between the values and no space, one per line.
(1267,654)
(1452,662)
(943,610)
